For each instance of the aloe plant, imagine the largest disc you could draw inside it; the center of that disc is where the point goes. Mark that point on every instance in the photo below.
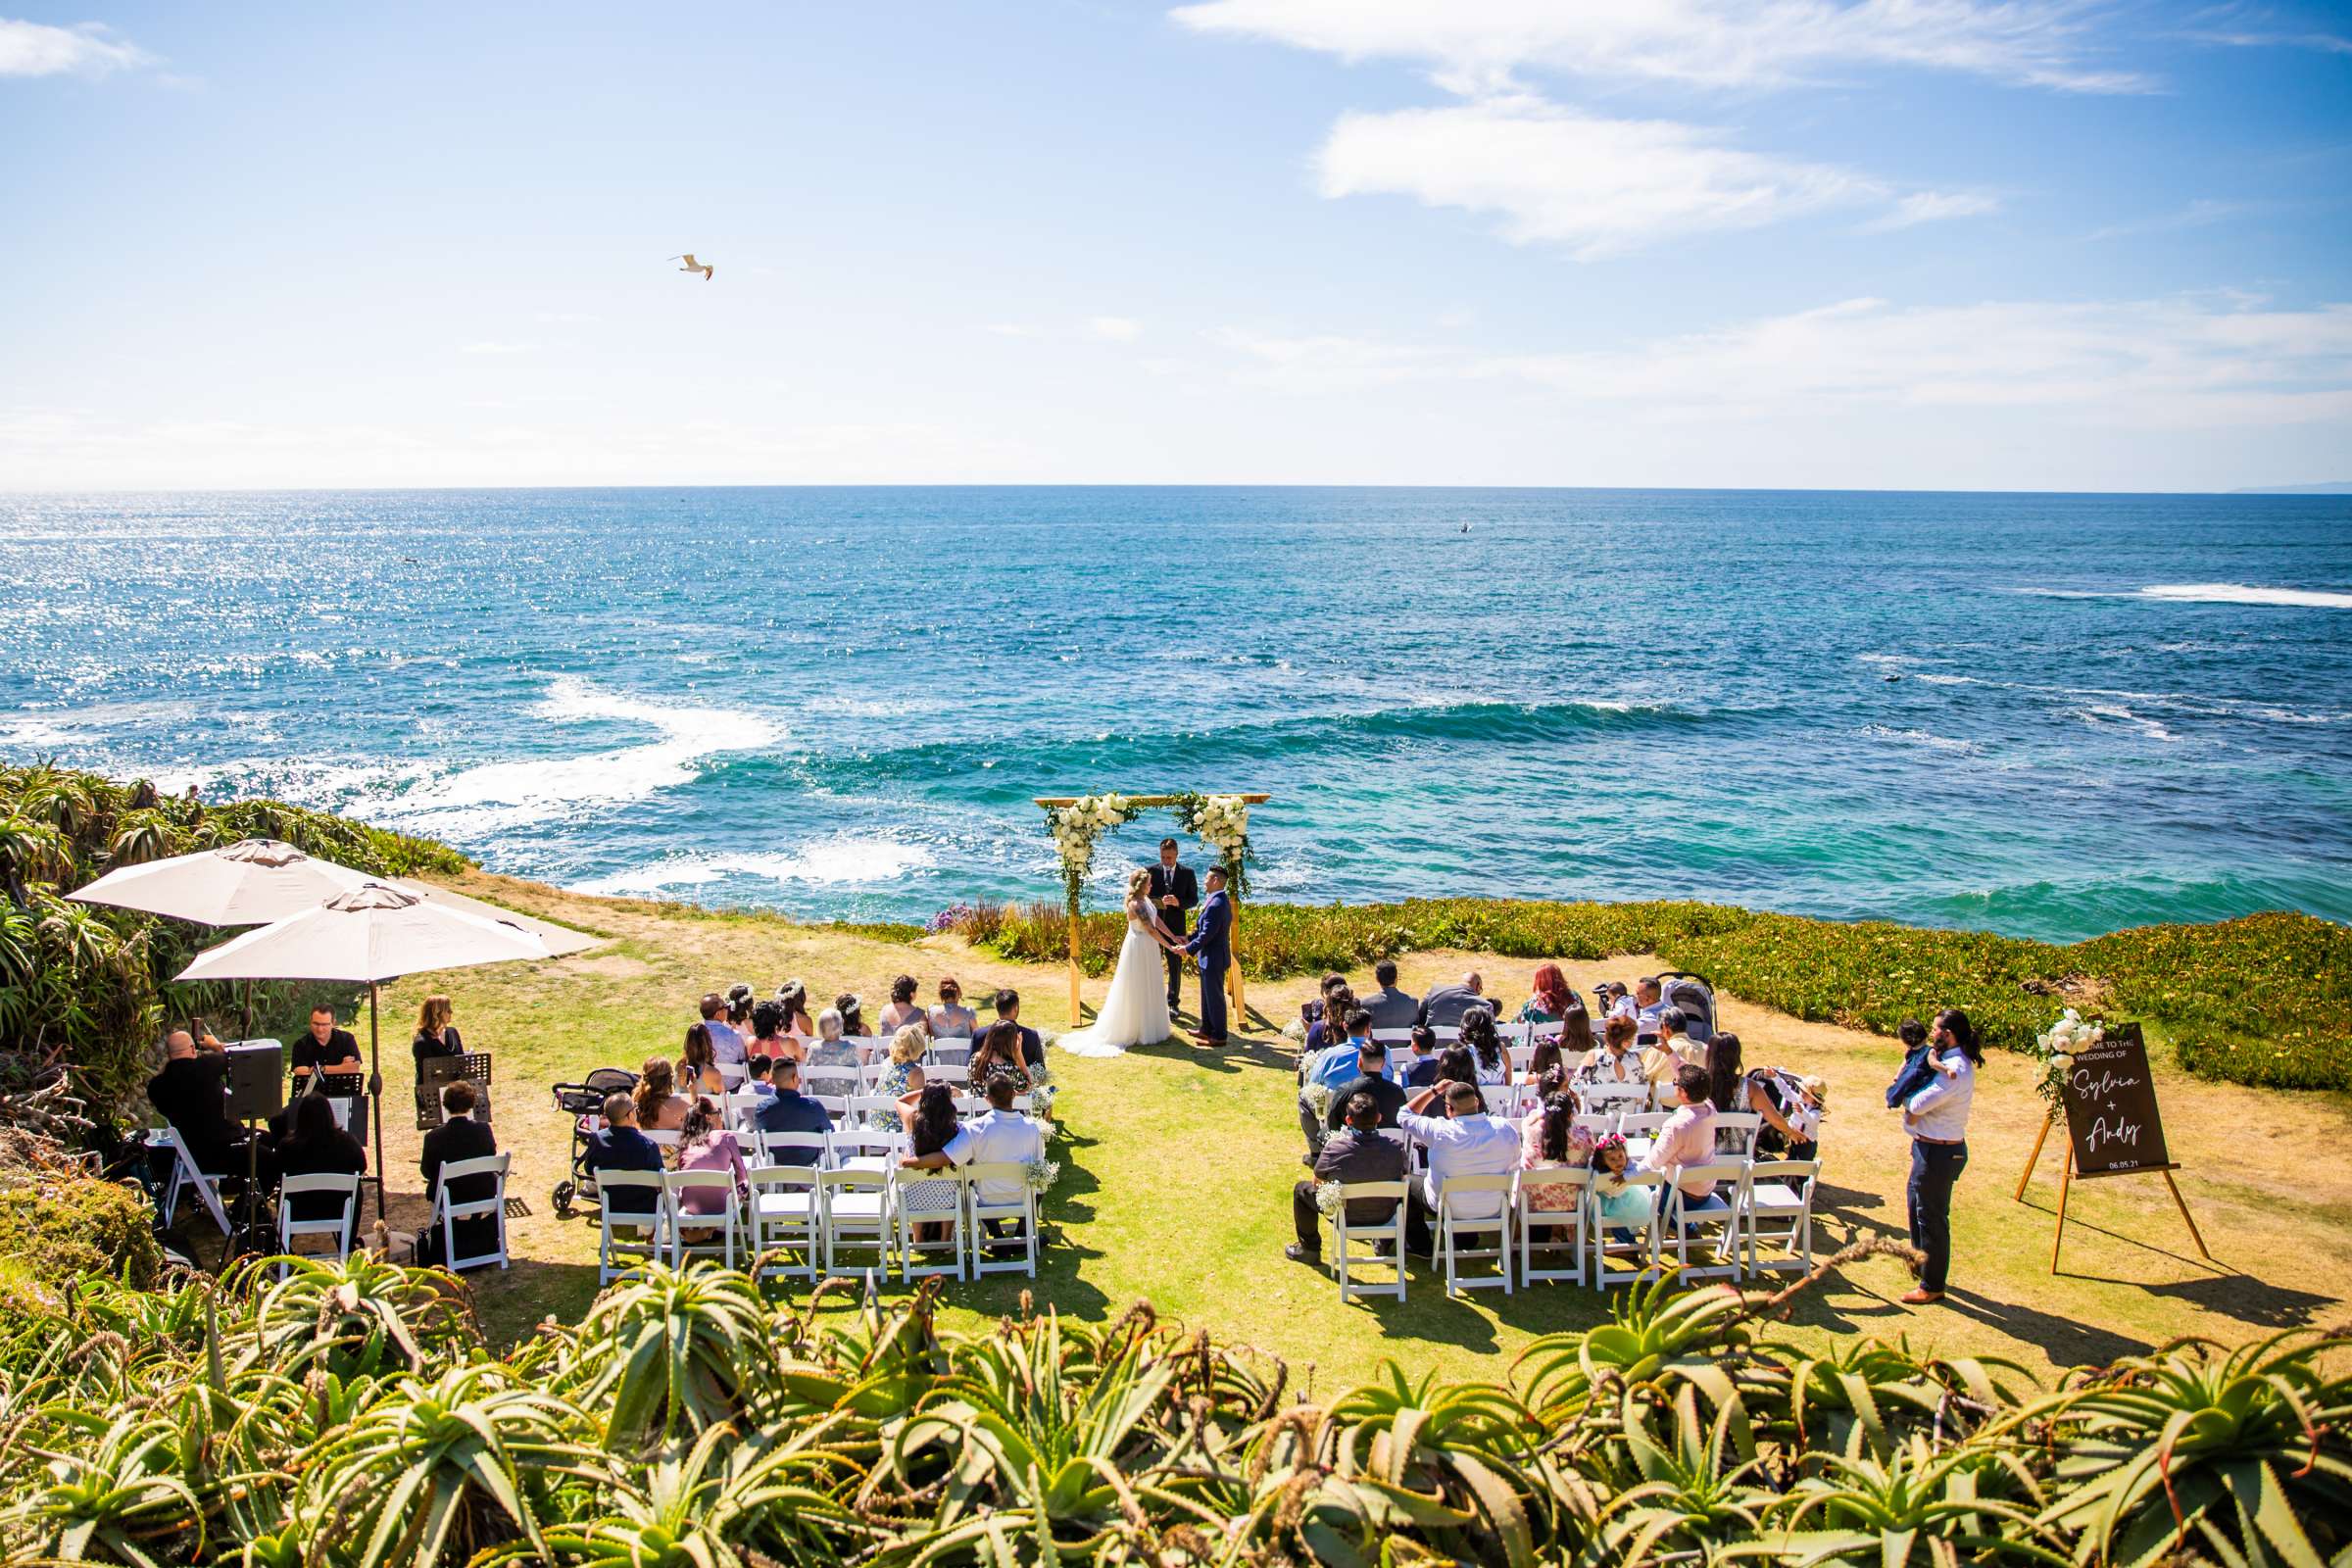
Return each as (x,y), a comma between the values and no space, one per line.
(1923,1505)
(121,1499)
(1654,1336)
(677,1351)
(1694,1484)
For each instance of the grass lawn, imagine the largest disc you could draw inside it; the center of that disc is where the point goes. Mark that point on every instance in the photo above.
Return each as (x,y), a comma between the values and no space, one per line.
(1177,1164)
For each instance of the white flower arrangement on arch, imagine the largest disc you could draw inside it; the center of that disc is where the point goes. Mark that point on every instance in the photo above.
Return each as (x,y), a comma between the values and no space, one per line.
(1076,827)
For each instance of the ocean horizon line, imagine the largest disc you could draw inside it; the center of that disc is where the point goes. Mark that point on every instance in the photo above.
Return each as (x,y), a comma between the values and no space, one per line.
(2313,492)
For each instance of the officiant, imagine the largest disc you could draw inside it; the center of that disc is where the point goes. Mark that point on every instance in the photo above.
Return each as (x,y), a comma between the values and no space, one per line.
(1174,892)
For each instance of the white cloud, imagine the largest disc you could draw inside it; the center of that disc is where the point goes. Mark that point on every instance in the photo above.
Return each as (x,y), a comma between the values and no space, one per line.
(1600,187)
(2196,215)
(32,49)
(1478,44)
(2186,364)
(1933,207)
(1114,328)
(495,346)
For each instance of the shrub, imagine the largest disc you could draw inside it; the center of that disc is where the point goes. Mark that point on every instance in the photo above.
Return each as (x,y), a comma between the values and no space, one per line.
(61,1229)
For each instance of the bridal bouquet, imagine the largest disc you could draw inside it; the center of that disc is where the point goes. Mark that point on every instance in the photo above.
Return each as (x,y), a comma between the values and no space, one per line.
(2058,1045)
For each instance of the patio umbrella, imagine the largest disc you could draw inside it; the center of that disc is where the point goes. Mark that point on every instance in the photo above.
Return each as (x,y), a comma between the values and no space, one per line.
(251,882)
(367,936)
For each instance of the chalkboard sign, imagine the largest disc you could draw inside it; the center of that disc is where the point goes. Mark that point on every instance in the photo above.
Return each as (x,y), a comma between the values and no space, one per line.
(2111,1109)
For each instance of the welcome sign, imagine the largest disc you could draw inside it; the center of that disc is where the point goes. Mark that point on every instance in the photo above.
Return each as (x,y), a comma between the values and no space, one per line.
(2111,1112)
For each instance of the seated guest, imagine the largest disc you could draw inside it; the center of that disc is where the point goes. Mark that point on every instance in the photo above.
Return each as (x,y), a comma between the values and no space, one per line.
(1007,1005)
(1617,1060)
(768,1038)
(1688,1137)
(740,1002)
(1577,1034)
(1726,1083)
(902,1076)
(1311,1012)
(1001,1136)
(1548,997)
(755,1071)
(704,1144)
(621,1147)
(1389,1007)
(725,1044)
(926,1114)
(1372,1079)
(828,1048)
(1338,1006)
(1615,1001)
(791,1111)
(1355,1153)
(1464,1141)
(1550,1140)
(697,1063)
(1545,1057)
(999,1052)
(1479,1037)
(192,1092)
(436,1032)
(659,1107)
(1648,1003)
(1342,1063)
(1674,1038)
(458,1138)
(951,1019)
(322,1047)
(904,1010)
(1791,1108)
(313,1145)
(1419,1069)
(1455,1065)
(793,996)
(852,1009)
(1442,1008)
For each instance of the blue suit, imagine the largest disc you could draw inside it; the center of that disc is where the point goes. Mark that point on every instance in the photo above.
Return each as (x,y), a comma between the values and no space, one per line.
(1211,942)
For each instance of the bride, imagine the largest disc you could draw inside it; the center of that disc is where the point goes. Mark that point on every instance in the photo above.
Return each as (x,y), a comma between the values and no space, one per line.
(1135,1011)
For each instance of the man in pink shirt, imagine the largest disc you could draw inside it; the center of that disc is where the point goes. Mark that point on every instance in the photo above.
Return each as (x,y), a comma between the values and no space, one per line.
(1688,1137)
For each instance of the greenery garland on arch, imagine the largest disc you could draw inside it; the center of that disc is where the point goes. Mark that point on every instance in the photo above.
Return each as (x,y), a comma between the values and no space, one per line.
(1222,821)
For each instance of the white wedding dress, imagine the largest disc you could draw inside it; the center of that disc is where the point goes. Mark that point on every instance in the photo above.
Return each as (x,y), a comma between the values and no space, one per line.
(1135,1011)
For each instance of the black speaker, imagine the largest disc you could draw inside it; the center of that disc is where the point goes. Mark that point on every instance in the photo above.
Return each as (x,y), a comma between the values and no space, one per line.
(255,1090)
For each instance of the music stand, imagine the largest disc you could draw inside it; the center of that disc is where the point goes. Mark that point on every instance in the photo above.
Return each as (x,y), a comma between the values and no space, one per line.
(436,1073)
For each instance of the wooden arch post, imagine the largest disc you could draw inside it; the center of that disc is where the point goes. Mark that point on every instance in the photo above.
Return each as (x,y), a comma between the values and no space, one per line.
(1234,991)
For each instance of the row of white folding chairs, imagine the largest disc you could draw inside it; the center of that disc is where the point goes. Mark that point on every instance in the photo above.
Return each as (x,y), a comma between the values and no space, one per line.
(446,1216)
(873,1053)
(855,1108)
(820,1214)
(1767,1206)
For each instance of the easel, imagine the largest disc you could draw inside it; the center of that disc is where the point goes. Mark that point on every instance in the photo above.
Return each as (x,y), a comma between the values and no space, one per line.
(2066,1179)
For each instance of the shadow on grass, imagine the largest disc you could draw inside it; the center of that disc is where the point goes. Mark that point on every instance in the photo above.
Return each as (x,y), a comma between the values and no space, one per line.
(1237,1052)
(2066,1340)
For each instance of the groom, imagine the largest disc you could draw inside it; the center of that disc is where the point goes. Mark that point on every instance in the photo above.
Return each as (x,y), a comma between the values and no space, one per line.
(1212,945)
(1173,892)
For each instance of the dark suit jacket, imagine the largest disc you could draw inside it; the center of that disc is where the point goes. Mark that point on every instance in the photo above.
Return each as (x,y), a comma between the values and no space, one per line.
(1391,1009)
(1212,943)
(457,1138)
(1442,1008)
(1392,1099)
(1421,1072)
(1182,883)
(192,1092)
(794,1112)
(624,1148)
(1348,1157)
(339,1155)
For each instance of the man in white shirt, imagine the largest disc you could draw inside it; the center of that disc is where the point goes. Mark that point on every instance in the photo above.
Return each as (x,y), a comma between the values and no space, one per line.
(1000,1136)
(1937,1119)
(1464,1141)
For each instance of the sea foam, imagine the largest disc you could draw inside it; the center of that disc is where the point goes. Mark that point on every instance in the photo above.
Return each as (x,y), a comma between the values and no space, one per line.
(828,863)
(2238,592)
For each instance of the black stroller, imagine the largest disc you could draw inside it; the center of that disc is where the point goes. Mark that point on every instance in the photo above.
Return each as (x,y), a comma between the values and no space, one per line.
(1679,988)
(584,1103)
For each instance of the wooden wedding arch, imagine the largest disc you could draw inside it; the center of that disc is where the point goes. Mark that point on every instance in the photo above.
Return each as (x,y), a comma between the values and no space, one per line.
(1051,803)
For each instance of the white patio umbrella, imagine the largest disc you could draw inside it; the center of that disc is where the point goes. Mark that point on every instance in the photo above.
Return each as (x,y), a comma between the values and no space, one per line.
(367,936)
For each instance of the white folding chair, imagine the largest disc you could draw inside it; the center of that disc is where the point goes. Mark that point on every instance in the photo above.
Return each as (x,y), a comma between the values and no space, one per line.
(1778,1209)
(1447,1034)
(1394,1037)
(733,1074)
(1446,1248)
(836,1106)
(1598,1123)
(663,1137)
(675,1185)
(779,1149)
(1025,1104)
(1637,1246)
(738,1107)
(447,1215)
(1614,1097)
(1345,1261)
(184,1175)
(952,1050)
(338,1184)
(969,1106)
(1570,1220)
(1679,1223)
(1642,1123)
(1520,1056)
(863,1106)
(873,1144)
(831,1080)
(854,1210)
(1736,1132)
(625,1240)
(930,1198)
(1516,1036)
(783,1218)
(956,1075)
(983,1207)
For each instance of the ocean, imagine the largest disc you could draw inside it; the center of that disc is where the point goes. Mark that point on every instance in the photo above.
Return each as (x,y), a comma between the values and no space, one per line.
(2049,715)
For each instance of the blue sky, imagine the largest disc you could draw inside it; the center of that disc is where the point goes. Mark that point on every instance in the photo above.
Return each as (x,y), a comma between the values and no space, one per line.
(1900,243)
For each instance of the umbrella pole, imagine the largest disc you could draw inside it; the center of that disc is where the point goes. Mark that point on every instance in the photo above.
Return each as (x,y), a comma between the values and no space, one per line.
(375,1096)
(245,1030)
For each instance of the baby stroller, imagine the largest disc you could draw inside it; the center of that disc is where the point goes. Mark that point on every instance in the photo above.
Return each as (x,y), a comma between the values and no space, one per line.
(584,1103)
(1679,988)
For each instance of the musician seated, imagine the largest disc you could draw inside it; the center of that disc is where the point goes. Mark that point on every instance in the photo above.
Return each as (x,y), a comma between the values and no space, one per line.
(324,1048)
(192,1092)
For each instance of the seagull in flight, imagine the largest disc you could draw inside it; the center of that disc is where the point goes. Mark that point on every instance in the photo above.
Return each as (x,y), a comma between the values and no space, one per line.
(693,265)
